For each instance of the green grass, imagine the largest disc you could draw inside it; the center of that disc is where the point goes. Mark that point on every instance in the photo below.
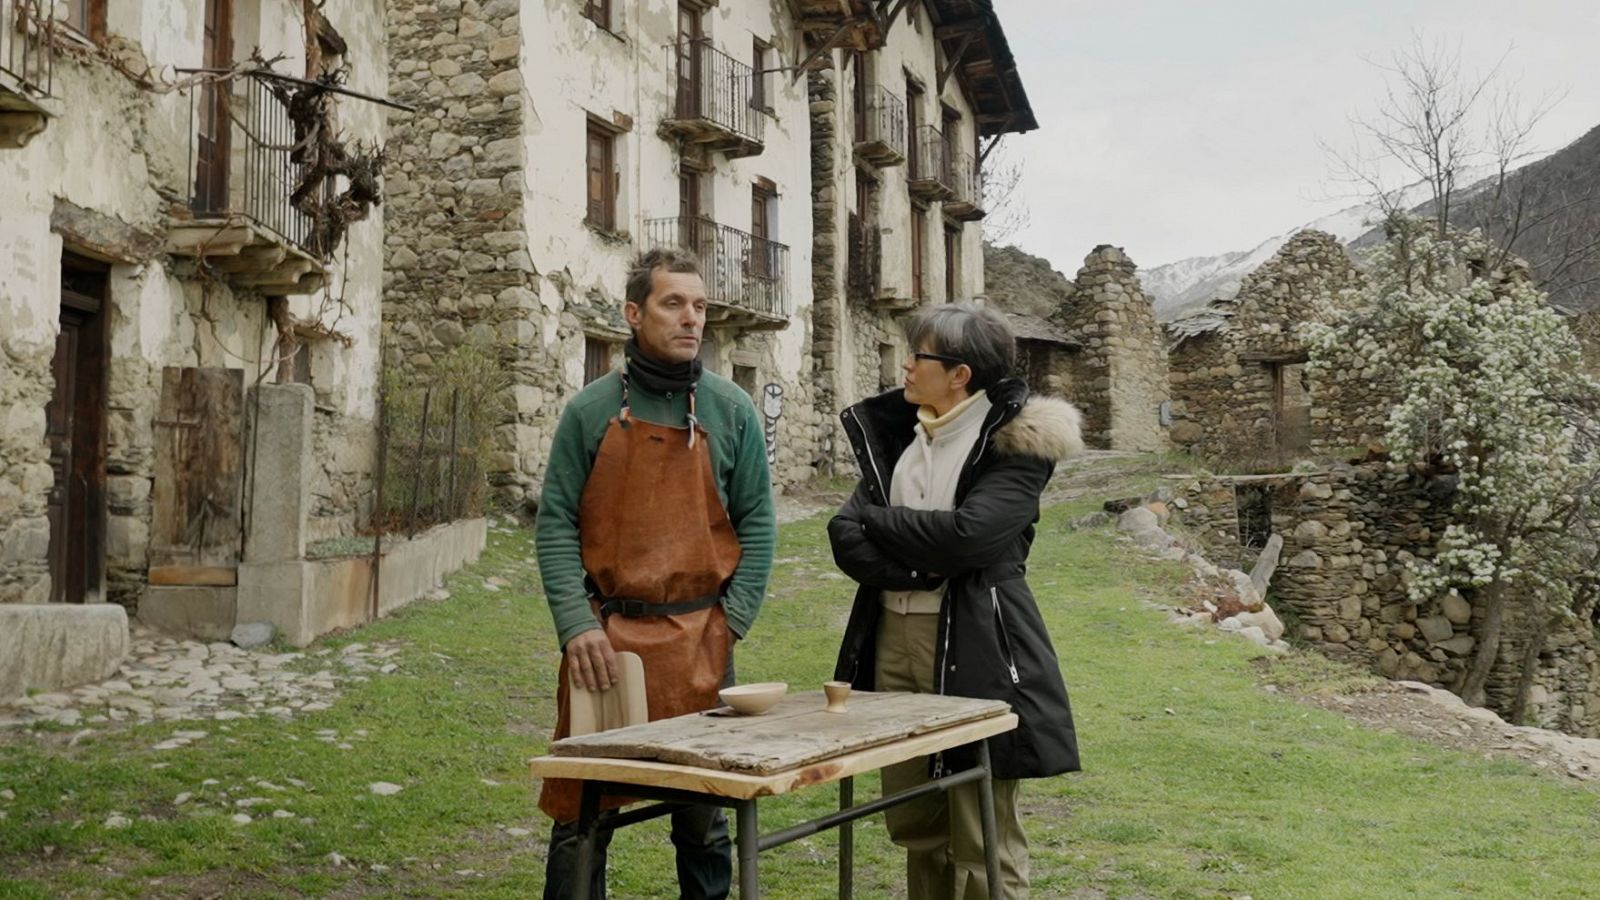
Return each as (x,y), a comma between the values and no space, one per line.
(1197,782)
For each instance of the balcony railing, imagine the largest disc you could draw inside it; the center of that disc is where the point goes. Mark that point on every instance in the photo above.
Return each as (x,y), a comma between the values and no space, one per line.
(929,177)
(966,203)
(743,273)
(881,128)
(242,158)
(27,52)
(713,100)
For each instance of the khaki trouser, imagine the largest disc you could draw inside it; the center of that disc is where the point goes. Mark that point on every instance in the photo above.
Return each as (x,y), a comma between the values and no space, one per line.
(942,833)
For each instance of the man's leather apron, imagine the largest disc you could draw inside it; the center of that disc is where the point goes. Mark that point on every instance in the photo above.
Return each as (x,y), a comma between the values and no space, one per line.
(654,537)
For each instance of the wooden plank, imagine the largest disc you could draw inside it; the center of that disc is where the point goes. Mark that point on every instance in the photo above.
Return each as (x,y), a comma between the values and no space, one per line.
(796,733)
(199,465)
(210,576)
(744,786)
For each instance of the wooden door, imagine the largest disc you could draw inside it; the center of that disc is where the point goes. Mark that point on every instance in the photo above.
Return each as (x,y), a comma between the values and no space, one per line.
(690,48)
(75,428)
(952,249)
(761,233)
(199,466)
(212,142)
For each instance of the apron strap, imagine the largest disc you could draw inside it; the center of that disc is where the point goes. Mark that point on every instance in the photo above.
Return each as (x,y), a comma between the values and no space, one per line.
(629,608)
(626,414)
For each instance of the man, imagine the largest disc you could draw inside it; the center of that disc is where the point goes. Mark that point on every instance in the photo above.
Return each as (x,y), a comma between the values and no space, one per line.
(655,535)
(937,534)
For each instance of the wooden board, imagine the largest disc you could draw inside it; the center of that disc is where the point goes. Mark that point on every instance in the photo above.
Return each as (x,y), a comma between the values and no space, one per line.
(744,786)
(623,705)
(199,466)
(204,576)
(798,731)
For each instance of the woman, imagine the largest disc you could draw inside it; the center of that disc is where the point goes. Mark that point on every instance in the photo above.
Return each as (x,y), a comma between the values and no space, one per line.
(937,534)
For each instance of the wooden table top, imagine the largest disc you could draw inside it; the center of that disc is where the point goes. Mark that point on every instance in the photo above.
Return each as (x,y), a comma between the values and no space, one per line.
(798,743)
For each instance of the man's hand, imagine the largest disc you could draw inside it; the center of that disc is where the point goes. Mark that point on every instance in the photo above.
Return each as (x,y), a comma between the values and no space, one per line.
(591,661)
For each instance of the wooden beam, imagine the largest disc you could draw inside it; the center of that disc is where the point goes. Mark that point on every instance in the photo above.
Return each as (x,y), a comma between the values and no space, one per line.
(957,29)
(955,60)
(983,154)
(826,46)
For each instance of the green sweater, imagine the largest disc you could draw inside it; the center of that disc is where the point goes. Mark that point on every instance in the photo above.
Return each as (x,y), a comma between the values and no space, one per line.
(738,463)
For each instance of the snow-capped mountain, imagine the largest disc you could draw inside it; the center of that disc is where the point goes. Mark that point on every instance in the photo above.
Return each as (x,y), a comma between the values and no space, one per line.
(1178,287)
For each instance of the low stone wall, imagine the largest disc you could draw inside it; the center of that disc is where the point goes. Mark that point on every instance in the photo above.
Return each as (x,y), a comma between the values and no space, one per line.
(1348,534)
(49,646)
(304,599)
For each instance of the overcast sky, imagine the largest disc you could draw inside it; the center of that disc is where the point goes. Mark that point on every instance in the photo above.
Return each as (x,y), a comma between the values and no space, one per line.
(1176,128)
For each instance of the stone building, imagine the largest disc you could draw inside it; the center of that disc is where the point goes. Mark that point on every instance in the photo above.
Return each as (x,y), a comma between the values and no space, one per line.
(1348,533)
(1238,368)
(1119,379)
(151,250)
(1586,326)
(902,115)
(552,140)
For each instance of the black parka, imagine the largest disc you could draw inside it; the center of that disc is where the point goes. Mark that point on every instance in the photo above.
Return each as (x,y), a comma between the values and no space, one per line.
(992,641)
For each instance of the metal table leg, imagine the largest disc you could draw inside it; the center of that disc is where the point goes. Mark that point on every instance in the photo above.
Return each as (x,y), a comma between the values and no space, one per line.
(991,834)
(588,819)
(847,846)
(749,847)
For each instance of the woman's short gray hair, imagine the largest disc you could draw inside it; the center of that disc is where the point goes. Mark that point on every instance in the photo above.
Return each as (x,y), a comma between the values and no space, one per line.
(981,338)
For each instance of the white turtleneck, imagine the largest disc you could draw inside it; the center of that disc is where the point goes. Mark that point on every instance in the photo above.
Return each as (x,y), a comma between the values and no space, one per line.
(925,477)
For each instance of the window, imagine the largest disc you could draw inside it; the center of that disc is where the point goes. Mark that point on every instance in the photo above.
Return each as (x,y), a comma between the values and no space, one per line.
(888,366)
(952,268)
(599,12)
(596,358)
(859,94)
(919,226)
(87,17)
(602,178)
(913,124)
(745,378)
(758,76)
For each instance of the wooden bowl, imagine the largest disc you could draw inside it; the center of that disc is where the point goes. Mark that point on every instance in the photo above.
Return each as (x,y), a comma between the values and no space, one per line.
(754,699)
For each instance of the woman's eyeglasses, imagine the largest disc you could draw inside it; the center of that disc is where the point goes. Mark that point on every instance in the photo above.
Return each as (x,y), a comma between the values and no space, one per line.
(938,357)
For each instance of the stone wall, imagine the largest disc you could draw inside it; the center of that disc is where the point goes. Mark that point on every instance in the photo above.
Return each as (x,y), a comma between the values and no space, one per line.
(1587,328)
(457,254)
(1119,379)
(1348,535)
(25,475)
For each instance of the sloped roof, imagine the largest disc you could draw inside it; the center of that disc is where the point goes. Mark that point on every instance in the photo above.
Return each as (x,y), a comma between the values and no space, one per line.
(1033,328)
(987,68)
(1208,320)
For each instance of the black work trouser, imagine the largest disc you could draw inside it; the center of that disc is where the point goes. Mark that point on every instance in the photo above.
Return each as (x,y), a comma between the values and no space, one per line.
(704,851)
(699,834)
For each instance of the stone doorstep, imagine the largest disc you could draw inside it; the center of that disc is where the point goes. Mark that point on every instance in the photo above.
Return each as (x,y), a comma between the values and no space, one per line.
(47,647)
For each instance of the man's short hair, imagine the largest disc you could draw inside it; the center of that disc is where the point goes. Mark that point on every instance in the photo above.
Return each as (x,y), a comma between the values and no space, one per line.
(981,338)
(641,272)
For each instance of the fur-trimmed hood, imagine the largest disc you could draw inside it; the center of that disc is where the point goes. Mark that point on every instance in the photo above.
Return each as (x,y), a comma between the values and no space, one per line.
(1046,428)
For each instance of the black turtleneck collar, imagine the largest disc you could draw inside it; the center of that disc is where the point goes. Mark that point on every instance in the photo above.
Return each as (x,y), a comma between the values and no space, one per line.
(656,376)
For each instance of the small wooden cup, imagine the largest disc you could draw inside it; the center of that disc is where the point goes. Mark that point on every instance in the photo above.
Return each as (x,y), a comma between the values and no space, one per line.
(837,691)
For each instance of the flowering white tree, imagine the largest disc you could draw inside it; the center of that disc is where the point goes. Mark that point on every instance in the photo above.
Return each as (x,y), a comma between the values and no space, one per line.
(1488,387)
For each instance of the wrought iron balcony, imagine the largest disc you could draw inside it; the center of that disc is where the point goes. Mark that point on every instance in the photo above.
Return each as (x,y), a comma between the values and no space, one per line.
(713,100)
(967,176)
(747,277)
(244,168)
(27,69)
(929,176)
(881,128)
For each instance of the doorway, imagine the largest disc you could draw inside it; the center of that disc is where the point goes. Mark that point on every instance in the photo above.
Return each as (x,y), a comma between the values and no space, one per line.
(75,431)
